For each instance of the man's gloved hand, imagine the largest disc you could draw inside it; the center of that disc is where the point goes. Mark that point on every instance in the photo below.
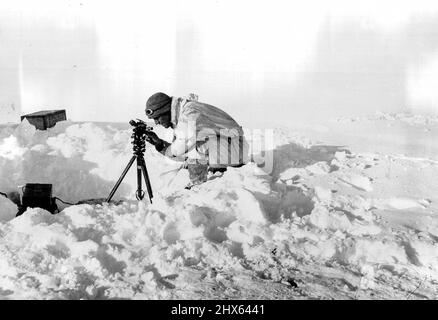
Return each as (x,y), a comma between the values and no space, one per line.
(152,138)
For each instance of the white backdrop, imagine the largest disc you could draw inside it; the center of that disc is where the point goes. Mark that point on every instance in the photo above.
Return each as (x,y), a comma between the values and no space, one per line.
(265,62)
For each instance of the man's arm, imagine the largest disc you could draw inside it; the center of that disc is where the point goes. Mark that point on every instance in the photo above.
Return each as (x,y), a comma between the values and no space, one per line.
(176,150)
(180,146)
(185,134)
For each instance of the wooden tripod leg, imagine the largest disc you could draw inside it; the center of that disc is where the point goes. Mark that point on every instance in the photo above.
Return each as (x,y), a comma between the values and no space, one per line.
(140,193)
(146,178)
(121,178)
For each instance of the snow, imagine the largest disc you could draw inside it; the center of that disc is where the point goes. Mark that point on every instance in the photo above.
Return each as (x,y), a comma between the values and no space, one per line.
(10,149)
(8,209)
(340,218)
(357,181)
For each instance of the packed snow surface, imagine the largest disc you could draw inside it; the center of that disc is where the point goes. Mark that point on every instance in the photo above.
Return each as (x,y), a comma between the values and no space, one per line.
(334,218)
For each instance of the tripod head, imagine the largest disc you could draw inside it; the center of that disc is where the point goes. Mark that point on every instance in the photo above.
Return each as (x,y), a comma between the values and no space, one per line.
(140,125)
(139,136)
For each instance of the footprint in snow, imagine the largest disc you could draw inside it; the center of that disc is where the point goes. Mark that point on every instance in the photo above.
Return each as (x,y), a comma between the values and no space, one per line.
(357,181)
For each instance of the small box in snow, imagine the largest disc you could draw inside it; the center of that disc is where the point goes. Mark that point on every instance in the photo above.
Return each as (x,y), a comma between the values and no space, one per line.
(45,119)
(37,195)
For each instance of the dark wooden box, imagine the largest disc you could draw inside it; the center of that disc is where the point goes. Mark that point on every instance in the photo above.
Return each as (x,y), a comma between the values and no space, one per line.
(45,119)
(37,195)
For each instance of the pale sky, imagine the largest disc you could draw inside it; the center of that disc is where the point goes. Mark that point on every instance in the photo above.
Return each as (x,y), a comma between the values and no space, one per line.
(265,62)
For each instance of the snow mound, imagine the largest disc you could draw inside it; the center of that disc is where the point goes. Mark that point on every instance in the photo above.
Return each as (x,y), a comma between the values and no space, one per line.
(10,148)
(8,209)
(401,203)
(336,223)
(403,117)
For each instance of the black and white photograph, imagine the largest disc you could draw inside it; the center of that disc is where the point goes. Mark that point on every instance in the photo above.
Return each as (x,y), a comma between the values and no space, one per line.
(218,150)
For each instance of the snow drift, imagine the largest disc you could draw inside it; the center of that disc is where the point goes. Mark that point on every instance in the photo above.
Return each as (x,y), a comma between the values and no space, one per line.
(326,222)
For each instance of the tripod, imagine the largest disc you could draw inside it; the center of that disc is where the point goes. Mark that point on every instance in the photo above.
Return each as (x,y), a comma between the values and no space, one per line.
(139,146)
